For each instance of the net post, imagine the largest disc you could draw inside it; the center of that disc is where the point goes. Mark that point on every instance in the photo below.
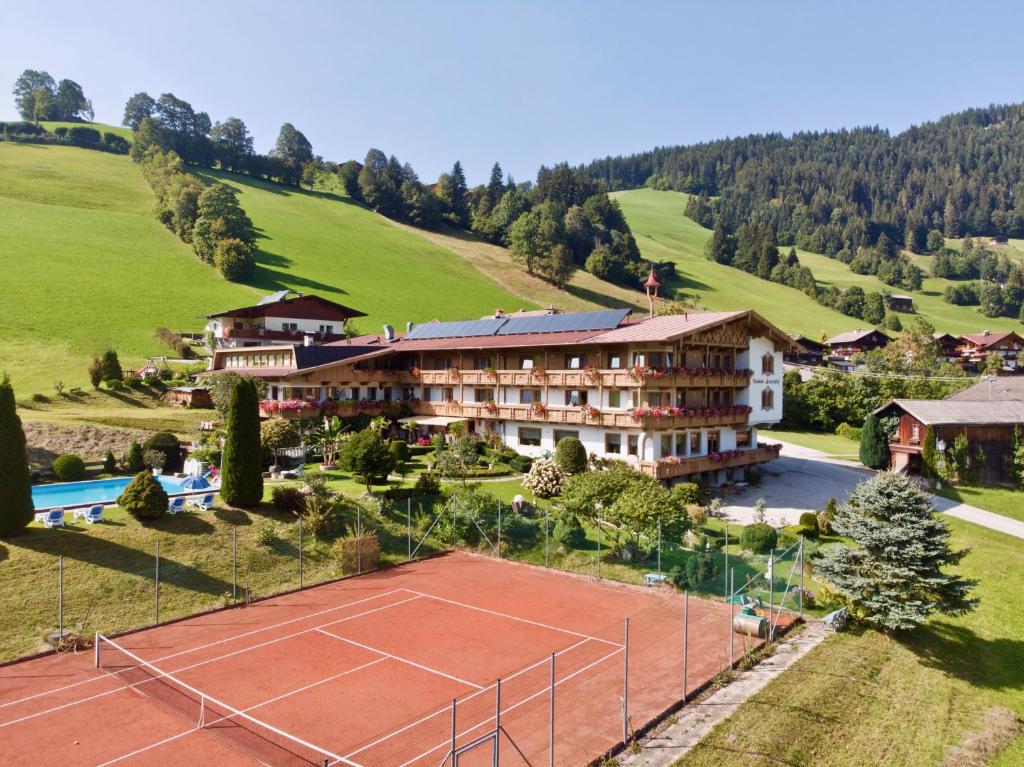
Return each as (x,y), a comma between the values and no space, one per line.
(625,683)
(732,613)
(60,598)
(408,527)
(551,716)
(659,546)
(156,582)
(771,595)
(359,540)
(686,639)
(547,524)
(497,721)
(96,649)
(300,550)
(801,577)
(599,541)
(725,549)
(453,731)
(499,529)
(234,564)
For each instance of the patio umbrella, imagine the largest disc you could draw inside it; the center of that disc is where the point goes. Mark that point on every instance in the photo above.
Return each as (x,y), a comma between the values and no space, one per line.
(194,483)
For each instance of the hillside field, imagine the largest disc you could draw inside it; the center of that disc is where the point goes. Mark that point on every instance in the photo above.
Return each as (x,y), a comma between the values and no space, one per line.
(664,233)
(87,266)
(120,130)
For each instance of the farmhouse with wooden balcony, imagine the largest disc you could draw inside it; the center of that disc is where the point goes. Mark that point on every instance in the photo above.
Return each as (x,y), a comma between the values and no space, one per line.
(281,318)
(676,396)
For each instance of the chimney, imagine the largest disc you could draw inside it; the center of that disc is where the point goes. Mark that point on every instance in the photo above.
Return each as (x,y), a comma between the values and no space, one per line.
(308,340)
(409,326)
(498,314)
(389,333)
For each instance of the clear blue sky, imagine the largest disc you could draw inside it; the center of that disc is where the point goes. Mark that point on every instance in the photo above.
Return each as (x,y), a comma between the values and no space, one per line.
(525,83)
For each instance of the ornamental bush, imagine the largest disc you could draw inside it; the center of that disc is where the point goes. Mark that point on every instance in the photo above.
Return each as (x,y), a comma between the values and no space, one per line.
(133,459)
(167,444)
(568,532)
(110,366)
(367,455)
(16,509)
(545,478)
(109,463)
(521,463)
(68,468)
(399,450)
(874,444)
(286,498)
(427,484)
(144,498)
(760,538)
(242,475)
(808,526)
(571,456)
(688,494)
(278,433)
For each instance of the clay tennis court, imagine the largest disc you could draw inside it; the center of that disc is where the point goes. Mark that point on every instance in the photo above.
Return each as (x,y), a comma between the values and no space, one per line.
(364,671)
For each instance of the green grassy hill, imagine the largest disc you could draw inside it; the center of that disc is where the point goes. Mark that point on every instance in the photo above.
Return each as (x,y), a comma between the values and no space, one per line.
(663,233)
(87,266)
(120,130)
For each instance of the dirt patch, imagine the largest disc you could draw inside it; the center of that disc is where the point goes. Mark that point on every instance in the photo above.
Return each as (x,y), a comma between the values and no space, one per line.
(978,748)
(48,440)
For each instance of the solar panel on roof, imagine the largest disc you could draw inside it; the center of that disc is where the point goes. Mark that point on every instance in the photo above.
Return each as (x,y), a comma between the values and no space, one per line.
(273,298)
(603,319)
(460,329)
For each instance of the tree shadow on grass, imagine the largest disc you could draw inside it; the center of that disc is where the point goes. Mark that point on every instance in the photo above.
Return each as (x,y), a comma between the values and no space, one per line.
(996,664)
(104,554)
(600,299)
(3,552)
(267,278)
(233,517)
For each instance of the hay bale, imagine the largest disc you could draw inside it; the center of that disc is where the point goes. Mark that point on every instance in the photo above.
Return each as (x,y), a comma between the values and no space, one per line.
(358,554)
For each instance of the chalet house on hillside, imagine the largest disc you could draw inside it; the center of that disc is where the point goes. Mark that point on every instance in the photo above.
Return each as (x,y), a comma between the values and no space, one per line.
(975,348)
(900,303)
(989,426)
(677,396)
(858,341)
(281,318)
(948,347)
(805,351)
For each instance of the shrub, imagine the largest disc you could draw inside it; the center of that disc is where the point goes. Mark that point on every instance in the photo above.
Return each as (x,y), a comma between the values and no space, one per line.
(68,467)
(427,484)
(154,459)
(808,526)
(698,515)
(521,463)
(286,498)
(320,515)
(80,135)
(95,371)
(16,509)
(571,456)
(568,532)
(40,398)
(367,455)
(115,143)
(109,463)
(545,478)
(874,443)
(759,538)
(688,494)
(144,498)
(519,530)
(168,444)
(399,450)
(698,568)
(242,475)
(753,477)
(110,366)
(114,384)
(233,259)
(846,431)
(278,433)
(266,534)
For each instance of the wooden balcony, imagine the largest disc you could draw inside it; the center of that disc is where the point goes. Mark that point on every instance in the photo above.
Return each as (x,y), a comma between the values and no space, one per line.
(611,419)
(561,379)
(685,467)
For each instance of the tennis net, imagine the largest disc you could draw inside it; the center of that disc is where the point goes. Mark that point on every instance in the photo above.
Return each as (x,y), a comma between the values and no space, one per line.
(265,743)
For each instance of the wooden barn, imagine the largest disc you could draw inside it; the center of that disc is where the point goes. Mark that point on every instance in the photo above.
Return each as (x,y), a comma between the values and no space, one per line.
(845,345)
(989,426)
(805,351)
(189,396)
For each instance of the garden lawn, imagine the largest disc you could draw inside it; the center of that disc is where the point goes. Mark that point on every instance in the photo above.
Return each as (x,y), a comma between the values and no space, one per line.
(1001,500)
(864,698)
(831,445)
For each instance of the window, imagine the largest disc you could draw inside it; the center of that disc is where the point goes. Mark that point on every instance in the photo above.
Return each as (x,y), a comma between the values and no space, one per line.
(659,359)
(768,363)
(560,435)
(442,363)
(614,361)
(767,399)
(614,398)
(371,393)
(712,441)
(666,445)
(634,398)
(574,361)
(915,432)
(326,330)
(529,436)
(529,396)
(681,444)
(694,443)
(291,327)
(613,443)
(482,363)
(743,438)
(528,363)
(716,398)
(408,393)
(576,397)
(483,395)
(632,444)
(447,394)
(428,394)
(387,393)
(639,358)
(654,398)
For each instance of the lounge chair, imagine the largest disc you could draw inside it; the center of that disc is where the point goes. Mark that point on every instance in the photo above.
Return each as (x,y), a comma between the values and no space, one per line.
(90,515)
(295,473)
(176,505)
(51,518)
(202,502)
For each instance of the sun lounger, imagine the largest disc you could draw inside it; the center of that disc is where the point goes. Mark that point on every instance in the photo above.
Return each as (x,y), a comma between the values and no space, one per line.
(51,518)
(176,505)
(90,515)
(202,502)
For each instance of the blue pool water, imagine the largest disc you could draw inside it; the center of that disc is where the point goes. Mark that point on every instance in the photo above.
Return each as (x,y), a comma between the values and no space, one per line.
(67,494)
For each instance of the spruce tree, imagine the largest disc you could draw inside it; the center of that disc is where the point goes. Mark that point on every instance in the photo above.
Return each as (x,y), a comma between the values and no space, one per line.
(16,509)
(893,579)
(242,469)
(874,444)
(110,366)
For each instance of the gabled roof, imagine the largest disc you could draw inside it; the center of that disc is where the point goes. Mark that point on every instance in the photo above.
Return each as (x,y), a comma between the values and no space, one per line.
(947,412)
(992,389)
(279,304)
(670,327)
(853,336)
(986,339)
(808,343)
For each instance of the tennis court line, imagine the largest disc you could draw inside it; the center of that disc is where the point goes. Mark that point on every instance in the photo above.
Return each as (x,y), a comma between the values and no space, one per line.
(203,647)
(472,695)
(400,659)
(544,691)
(244,711)
(515,618)
(204,662)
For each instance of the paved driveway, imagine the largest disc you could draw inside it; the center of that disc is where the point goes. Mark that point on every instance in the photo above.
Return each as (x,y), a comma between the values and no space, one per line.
(802,479)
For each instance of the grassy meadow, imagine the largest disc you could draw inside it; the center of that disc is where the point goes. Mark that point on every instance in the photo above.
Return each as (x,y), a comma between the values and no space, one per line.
(120,130)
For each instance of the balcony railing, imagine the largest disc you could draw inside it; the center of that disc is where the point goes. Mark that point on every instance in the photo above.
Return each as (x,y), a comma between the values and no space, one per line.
(644,418)
(587,378)
(289,336)
(669,468)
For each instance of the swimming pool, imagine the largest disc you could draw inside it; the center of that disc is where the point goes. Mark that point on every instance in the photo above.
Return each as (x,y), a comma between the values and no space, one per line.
(65,494)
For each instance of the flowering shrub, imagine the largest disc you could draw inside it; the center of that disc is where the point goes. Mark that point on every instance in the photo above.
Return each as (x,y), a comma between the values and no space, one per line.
(538,408)
(589,411)
(715,456)
(275,407)
(423,441)
(670,411)
(545,478)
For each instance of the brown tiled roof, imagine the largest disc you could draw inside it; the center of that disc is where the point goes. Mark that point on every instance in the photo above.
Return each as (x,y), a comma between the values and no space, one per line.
(987,339)
(992,389)
(852,336)
(946,412)
(667,326)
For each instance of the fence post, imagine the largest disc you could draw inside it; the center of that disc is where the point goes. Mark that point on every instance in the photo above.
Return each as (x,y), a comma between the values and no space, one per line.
(453,731)
(359,539)
(234,564)
(551,717)
(599,541)
(497,722)
(725,548)
(801,577)
(547,524)
(408,525)
(732,612)
(659,546)
(60,598)
(157,582)
(499,529)
(96,649)
(771,596)
(300,550)
(625,685)
(686,639)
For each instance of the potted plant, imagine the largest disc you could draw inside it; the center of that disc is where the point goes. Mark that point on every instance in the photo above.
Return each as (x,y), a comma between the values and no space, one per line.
(155,460)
